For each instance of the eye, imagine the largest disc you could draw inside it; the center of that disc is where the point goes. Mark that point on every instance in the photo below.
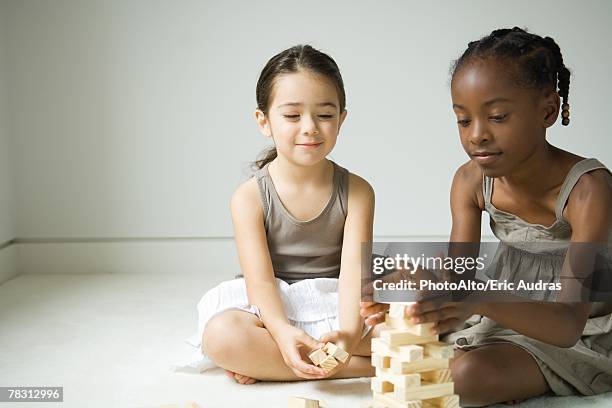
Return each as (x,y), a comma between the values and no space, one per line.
(326,116)
(291,117)
(464,122)
(498,118)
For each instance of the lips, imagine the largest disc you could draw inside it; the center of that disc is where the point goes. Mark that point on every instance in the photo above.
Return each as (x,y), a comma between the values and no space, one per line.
(485,156)
(309,144)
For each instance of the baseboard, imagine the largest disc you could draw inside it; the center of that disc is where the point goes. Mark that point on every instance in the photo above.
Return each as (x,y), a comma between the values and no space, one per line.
(8,263)
(209,256)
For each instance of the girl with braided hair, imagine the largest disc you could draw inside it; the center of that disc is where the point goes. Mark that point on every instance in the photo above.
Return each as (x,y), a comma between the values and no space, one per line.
(507,89)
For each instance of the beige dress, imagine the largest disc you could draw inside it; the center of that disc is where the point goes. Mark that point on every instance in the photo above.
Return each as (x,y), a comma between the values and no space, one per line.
(585,368)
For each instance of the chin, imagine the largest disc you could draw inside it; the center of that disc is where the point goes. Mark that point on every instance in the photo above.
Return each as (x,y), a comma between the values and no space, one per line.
(492,172)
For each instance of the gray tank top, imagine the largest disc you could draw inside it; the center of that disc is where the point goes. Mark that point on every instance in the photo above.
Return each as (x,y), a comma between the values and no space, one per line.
(304,249)
(521,256)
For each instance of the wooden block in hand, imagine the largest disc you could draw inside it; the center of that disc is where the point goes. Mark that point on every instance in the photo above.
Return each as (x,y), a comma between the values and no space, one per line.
(329,363)
(298,402)
(337,352)
(317,356)
(397,310)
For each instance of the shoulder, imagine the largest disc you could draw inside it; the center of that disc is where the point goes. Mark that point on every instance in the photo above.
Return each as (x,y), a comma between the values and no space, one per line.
(245,199)
(591,189)
(358,186)
(360,195)
(467,184)
(590,201)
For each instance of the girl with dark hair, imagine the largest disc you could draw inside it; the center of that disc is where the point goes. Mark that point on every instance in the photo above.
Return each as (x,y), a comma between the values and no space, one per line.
(299,224)
(507,90)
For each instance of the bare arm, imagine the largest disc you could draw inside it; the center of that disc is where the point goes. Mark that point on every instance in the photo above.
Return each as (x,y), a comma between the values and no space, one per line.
(255,262)
(561,324)
(256,265)
(357,230)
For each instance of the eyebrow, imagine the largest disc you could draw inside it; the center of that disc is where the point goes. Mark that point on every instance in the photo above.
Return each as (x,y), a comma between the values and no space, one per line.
(333,105)
(487,103)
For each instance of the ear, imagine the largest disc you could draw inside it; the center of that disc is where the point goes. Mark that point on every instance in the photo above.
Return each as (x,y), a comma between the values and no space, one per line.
(551,104)
(263,123)
(342,117)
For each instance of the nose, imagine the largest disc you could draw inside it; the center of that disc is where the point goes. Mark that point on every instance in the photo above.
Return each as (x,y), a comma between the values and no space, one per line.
(309,126)
(479,133)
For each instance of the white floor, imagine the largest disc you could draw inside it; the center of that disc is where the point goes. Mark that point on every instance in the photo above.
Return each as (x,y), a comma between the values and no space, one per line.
(110,340)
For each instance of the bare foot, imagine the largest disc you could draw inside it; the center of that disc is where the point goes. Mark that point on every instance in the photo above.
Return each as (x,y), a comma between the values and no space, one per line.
(240,379)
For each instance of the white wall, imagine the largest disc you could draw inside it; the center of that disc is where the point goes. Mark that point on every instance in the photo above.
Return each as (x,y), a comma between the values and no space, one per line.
(7,226)
(133,118)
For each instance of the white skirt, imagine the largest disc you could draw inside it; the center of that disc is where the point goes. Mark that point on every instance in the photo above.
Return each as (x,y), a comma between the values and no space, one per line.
(310,305)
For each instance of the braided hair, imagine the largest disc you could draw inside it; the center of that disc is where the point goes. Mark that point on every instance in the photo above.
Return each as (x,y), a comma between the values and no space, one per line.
(538,61)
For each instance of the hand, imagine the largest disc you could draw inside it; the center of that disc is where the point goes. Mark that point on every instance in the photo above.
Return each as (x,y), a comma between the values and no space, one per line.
(294,345)
(373,312)
(445,315)
(342,340)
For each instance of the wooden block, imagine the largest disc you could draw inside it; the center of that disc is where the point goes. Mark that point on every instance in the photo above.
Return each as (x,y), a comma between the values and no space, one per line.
(405,381)
(379,385)
(317,356)
(329,363)
(419,366)
(423,329)
(337,352)
(449,401)
(425,391)
(438,349)
(437,376)
(298,402)
(397,310)
(409,352)
(400,337)
(380,361)
(388,400)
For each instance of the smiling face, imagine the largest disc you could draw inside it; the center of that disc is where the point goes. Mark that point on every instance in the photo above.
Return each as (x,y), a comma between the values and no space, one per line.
(303,117)
(501,125)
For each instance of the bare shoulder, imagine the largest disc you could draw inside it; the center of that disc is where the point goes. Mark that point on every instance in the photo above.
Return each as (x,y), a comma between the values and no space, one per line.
(359,187)
(593,189)
(246,199)
(467,184)
(589,206)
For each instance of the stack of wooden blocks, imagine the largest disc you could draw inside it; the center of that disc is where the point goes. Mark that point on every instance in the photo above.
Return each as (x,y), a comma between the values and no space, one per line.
(412,365)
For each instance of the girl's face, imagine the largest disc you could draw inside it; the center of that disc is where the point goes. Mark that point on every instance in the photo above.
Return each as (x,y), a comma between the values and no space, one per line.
(501,125)
(303,118)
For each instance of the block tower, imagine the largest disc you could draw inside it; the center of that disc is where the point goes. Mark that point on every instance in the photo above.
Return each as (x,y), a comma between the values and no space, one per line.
(411,365)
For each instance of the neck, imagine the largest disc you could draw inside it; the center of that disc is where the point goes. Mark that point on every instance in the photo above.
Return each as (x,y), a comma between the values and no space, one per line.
(535,174)
(298,174)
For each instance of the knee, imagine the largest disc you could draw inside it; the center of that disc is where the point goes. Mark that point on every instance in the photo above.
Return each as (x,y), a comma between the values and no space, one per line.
(475,377)
(222,338)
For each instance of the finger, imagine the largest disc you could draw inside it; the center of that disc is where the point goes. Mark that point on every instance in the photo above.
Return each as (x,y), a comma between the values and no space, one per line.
(445,325)
(424,306)
(329,337)
(435,316)
(310,342)
(308,369)
(373,309)
(375,319)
